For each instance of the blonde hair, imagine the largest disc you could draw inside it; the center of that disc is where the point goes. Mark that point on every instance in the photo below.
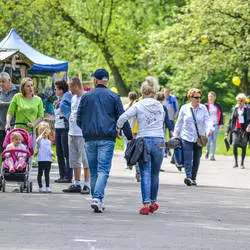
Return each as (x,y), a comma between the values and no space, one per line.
(15,135)
(212,93)
(193,91)
(241,96)
(149,87)
(23,82)
(42,126)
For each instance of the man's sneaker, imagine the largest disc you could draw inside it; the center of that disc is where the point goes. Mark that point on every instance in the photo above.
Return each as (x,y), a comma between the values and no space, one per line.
(194,183)
(212,158)
(58,180)
(85,190)
(97,206)
(242,166)
(206,155)
(64,180)
(188,181)
(73,189)
(235,166)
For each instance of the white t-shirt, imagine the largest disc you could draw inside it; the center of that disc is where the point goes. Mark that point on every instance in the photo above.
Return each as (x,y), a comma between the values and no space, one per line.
(59,121)
(213,110)
(73,128)
(44,150)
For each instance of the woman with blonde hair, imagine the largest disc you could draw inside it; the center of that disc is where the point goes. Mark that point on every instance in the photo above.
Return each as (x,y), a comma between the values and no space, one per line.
(26,107)
(185,128)
(150,115)
(239,127)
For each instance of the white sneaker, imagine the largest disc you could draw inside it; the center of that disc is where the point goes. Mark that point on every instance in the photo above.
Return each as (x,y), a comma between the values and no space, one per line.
(41,190)
(97,205)
(48,190)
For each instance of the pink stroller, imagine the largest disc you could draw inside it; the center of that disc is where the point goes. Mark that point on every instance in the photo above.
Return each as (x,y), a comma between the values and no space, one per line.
(22,176)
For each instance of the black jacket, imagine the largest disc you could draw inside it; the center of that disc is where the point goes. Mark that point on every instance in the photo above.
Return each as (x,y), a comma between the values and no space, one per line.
(136,151)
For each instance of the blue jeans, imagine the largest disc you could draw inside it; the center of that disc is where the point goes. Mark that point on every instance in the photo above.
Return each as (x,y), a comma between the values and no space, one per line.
(191,154)
(212,140)
(99,155)
(150,171)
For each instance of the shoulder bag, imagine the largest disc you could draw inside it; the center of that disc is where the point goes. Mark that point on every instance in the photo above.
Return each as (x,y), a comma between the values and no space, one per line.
(202,140)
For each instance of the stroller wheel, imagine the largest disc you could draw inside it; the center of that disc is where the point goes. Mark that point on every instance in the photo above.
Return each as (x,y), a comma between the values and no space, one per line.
(3,185)
(28,186)
(31,186)
(21,187)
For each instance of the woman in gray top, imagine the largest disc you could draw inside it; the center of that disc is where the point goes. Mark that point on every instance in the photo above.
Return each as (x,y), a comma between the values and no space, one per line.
(150,115)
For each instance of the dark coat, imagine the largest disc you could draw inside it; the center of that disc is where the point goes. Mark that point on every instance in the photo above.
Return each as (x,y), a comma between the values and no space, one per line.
(136,151)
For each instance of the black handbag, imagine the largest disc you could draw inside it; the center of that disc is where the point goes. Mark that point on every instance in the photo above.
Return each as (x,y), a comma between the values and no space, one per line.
(202,140)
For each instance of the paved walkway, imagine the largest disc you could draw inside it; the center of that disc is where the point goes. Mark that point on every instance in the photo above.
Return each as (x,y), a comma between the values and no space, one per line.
(214,215)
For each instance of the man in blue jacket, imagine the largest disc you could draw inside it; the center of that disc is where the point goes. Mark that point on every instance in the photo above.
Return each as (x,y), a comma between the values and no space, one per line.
(97,115)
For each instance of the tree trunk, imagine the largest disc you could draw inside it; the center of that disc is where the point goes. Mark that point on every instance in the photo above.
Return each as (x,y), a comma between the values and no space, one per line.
(121,86)
(245,81)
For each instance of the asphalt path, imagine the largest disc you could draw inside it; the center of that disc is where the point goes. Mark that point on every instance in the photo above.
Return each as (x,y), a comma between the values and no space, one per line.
(213,215)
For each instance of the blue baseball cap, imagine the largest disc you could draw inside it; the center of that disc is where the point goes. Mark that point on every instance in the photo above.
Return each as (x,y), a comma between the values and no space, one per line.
(101,74)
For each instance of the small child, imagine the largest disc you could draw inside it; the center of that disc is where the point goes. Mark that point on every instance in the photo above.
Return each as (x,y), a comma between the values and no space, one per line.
(16,142)
(44,156)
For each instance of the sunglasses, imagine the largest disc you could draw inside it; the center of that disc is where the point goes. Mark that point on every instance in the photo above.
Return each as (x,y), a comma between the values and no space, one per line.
(196,97)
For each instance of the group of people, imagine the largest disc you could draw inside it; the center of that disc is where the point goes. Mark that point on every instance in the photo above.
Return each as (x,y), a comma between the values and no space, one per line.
(88,123)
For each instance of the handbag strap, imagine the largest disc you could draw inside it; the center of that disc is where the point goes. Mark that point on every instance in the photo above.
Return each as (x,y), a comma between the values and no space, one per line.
(195,123)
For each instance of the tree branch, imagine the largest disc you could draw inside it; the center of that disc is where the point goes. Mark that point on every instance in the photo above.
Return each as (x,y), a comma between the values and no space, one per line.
(236,16)
(110,17)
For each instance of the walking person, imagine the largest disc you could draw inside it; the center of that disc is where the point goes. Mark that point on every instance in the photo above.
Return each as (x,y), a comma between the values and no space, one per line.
(44,156)
(97,115)
(77,154)
(7,92)
(217,117)
(185,129)
(150,115)
(239,127)
(61,131)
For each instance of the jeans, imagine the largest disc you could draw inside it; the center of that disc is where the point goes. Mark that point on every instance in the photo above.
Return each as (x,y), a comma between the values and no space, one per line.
(99,155)
(150,170)
(212,140)
(192,154)
(62,152)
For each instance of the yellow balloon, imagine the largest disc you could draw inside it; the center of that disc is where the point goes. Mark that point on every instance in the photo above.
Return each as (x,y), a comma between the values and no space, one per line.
(204,39)
(236,81)
(114,89)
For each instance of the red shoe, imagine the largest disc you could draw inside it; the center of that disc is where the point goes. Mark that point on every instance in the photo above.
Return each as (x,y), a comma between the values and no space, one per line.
(153,208)
(144,211)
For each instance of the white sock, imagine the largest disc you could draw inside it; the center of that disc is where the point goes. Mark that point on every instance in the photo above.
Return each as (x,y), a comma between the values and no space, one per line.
(77,183)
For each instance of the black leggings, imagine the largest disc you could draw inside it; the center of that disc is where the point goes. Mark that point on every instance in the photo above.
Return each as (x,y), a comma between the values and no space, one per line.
(43,166)
(243,154)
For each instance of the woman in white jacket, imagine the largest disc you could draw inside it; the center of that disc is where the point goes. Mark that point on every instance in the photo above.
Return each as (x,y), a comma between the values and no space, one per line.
(150,115)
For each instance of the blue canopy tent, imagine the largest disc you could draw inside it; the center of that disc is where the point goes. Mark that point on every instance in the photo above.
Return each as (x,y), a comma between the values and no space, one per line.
(42,64)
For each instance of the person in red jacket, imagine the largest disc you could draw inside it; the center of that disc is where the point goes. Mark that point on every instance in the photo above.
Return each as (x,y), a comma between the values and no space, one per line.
(217,117)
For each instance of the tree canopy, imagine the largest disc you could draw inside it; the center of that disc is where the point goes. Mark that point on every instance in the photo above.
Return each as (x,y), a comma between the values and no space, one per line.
(202,43)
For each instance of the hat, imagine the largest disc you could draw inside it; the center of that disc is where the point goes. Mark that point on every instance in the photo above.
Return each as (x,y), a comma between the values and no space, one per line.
(101,74)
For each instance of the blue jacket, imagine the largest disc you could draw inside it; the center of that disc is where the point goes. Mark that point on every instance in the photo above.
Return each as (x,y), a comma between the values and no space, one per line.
(65,105)
(98,113)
